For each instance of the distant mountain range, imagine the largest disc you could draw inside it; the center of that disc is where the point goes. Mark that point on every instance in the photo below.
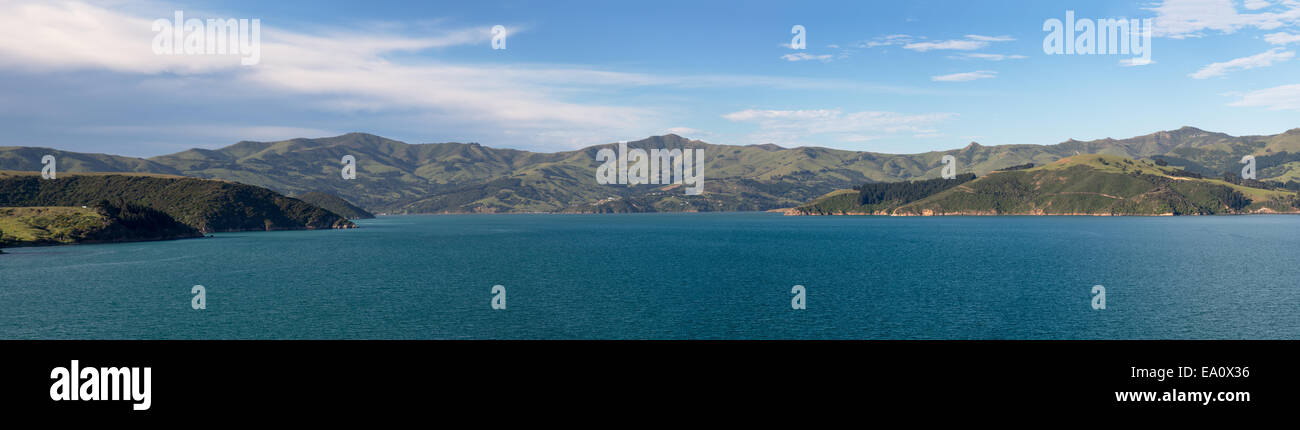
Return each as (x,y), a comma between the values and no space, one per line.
(1087,184)
(396,177)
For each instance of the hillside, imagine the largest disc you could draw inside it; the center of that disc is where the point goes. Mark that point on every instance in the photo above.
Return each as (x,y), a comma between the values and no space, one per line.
(205,205)
(1080,185)
(335,204)
(103,222)
(398,177)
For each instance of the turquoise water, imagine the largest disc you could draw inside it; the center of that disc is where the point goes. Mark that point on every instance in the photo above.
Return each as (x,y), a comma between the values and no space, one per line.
(696,276)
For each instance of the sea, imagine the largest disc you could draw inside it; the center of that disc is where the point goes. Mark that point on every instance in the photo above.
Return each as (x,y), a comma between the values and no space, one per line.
(676,276)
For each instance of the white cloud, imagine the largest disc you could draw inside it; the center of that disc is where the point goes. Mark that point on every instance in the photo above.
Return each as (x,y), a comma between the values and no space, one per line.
(1281,38)
(1191,18)
(351,68)
(1136,61)
(1265,59)
(989,57)
(964,77)
(1286,97)
(990,38)
(802,56)
(955,45)
(890,40)
(1256,4)
(970,43)
(798,126)
(221,132)
(519,103)
(690,133)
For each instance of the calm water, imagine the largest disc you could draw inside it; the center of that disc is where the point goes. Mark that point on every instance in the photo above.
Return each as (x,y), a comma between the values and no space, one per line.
(677,276)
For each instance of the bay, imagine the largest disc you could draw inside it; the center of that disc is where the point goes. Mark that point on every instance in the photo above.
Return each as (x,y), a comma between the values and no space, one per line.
(676,276)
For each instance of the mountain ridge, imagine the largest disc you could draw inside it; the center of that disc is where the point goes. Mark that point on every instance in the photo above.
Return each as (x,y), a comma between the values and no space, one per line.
(454,177)
(1087,184)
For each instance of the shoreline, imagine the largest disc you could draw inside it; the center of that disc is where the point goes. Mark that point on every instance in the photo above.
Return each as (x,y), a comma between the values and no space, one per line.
(791,212)
(204,235)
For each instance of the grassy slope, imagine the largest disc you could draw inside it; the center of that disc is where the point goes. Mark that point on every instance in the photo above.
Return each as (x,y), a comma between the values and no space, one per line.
(205,205)
(1085,184)
(22,226)
(48,224)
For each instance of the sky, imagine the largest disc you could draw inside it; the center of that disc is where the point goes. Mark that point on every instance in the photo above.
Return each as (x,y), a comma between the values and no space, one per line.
(884,76)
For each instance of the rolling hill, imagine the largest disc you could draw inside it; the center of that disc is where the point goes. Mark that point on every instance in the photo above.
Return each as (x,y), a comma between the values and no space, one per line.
(397,177)
(104,222)
(1087,184)
(204,205)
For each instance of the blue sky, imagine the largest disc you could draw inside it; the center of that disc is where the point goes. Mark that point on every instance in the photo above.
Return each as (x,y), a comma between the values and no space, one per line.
(899,77)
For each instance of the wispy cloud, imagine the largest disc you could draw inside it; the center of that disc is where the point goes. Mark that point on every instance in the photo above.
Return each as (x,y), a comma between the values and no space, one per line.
(990,38)
(989,57)
(970,43)
(889,40)
(688,132)
(1286,97)
(1180,19)
(1256,4)
(223,132)
(1136,61)
(545,106)
(793,127)
(1281,38)
(802,56)
(1265,59)
(967,76)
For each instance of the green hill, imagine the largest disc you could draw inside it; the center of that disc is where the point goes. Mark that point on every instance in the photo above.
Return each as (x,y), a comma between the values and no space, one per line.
(1080,185)
(397,177)
(103,222)
(335,204)
(205,205)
